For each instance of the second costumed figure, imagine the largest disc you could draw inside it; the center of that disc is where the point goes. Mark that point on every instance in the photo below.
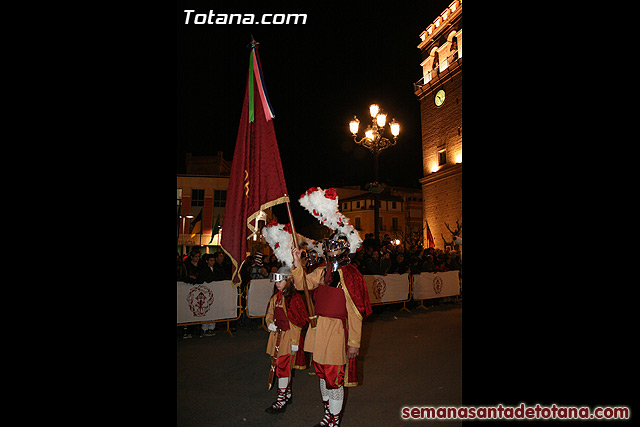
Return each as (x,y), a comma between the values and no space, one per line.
(341,303)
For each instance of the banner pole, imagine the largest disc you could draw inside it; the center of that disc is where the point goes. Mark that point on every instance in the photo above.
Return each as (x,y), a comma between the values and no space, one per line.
(310,308)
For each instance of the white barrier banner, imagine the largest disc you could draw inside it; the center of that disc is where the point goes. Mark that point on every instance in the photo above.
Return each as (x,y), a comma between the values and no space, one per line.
(389,288)
(436,285)
(260,291)
(207,301)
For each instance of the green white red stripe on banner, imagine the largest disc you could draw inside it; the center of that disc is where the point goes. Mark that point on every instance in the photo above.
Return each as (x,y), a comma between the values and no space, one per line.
(255,69)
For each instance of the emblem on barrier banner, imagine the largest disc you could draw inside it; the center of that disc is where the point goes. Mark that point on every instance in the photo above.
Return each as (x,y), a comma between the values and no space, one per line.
(437,284)
(379,288)
(200,300)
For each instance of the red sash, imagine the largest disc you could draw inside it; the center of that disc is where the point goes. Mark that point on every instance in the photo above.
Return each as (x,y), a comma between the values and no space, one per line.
(330,302)
(280,319)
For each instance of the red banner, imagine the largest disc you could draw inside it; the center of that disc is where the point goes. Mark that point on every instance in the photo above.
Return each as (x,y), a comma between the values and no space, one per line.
(257,181)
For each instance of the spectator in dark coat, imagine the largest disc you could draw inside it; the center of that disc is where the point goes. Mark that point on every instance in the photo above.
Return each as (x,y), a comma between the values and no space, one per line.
(366,259)
(205,270)
(221,269)
(373,264)
(385,262)
(192,264)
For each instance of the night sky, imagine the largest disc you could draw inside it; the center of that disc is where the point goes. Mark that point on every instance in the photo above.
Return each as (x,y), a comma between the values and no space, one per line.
(318,76)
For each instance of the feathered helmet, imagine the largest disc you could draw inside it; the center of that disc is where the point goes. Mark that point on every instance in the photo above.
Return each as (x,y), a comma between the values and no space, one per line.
(323,204)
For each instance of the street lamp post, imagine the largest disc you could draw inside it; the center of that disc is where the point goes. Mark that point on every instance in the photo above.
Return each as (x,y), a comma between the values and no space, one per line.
(375,142)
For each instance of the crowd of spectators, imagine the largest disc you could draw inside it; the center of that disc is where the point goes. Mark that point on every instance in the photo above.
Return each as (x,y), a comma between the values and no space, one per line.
(197,268)
(381,259)
(389,258)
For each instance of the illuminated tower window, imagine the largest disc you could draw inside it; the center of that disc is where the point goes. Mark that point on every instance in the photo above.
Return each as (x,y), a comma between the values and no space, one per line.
(442,157)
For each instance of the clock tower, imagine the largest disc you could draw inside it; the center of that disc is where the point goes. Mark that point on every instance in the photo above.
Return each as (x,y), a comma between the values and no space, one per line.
(440,94)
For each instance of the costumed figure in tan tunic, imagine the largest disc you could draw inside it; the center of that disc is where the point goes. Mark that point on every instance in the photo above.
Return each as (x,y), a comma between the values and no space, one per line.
(286,316)
(341,303)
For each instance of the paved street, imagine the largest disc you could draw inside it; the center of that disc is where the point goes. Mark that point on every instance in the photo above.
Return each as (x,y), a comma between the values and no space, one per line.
(406,359)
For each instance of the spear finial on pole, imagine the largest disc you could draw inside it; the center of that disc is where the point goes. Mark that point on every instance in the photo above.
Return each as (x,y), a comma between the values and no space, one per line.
(253,43)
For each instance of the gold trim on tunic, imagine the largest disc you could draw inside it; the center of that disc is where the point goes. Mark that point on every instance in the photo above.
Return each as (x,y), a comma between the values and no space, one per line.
(346,294)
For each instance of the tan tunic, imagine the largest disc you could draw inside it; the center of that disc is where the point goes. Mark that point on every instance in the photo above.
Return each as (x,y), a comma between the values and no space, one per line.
(288,338)
(326,340)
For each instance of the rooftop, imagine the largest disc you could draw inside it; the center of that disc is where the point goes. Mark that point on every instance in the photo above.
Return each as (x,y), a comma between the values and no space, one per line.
(207,165)
(454,10)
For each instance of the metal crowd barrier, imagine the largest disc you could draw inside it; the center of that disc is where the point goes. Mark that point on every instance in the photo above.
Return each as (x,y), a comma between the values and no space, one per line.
(245,309)
(228,330)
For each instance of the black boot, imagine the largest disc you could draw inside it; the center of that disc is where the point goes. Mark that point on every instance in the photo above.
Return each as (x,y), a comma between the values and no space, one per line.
(334,420)
(279,405)
(327,415)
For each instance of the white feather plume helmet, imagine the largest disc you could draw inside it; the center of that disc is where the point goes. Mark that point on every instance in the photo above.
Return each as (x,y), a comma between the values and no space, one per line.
(323,205)
(280,239)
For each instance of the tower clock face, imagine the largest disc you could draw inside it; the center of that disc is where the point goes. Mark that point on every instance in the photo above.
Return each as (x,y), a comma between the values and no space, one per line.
(439,99)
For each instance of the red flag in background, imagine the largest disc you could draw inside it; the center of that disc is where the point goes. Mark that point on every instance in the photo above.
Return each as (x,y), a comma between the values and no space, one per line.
(432,244)
(257,181)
